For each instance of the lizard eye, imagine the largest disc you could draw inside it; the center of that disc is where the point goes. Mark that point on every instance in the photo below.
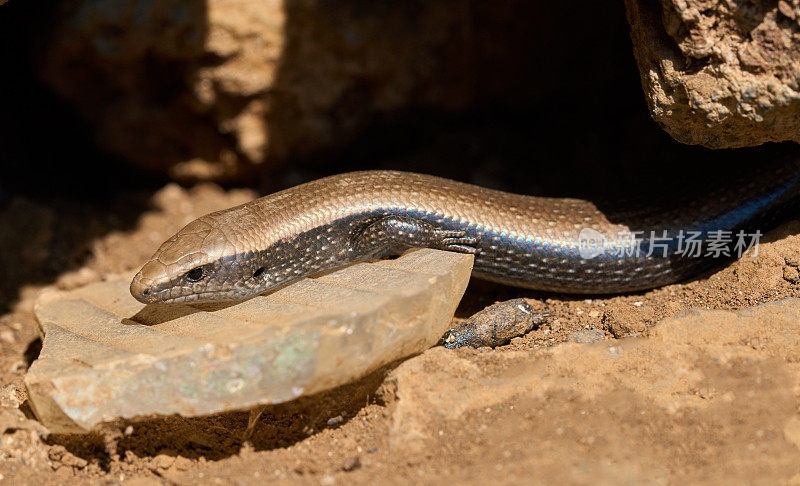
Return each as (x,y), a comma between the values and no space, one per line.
(195,274)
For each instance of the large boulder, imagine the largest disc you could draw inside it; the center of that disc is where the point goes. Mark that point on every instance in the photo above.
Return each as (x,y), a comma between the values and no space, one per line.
(219,89)
(720,73)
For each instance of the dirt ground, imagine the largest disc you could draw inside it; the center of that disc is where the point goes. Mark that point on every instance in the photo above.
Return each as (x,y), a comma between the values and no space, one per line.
(704,397)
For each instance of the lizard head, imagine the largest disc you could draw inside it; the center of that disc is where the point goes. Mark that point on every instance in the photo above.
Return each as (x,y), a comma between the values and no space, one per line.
(195,265)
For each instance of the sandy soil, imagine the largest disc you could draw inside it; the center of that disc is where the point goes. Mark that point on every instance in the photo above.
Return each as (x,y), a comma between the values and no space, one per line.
(706,398)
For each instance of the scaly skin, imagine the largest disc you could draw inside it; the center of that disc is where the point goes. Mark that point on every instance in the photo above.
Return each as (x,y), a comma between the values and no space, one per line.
(525,241)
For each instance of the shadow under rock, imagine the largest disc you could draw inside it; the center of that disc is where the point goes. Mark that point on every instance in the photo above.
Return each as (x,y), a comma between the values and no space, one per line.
(32,351)
(221,435)
(154,314)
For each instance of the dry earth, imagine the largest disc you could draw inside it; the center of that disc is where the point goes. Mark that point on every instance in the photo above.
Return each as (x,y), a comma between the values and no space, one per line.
(709,397)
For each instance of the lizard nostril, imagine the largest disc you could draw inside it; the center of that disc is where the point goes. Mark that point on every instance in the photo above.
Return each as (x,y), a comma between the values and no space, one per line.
(141,292)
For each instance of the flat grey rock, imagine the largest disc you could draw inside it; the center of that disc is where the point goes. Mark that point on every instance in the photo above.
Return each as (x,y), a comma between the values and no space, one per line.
(585,337)
(106,356)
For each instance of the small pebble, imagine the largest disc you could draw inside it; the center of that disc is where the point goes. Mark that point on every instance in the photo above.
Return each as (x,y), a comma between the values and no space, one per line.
(164,461)
(18,365)
(352,464)
(494,326)
(585,337)
(335,420)
(786,9)
(8,336)
(790,274)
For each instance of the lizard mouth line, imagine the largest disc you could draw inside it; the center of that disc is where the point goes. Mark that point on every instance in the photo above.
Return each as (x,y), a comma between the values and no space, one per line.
(191,298)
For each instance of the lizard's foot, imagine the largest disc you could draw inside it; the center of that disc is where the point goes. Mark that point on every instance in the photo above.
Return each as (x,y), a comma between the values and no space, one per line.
(391,235)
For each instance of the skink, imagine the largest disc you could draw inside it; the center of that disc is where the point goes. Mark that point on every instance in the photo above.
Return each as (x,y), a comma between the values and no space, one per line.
(561,245)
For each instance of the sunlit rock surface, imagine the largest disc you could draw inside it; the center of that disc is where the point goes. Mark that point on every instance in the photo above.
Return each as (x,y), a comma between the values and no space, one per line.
(106,356)
(720,74)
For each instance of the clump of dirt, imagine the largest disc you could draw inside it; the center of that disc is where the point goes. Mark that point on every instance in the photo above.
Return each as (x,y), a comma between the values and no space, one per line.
(594,413)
